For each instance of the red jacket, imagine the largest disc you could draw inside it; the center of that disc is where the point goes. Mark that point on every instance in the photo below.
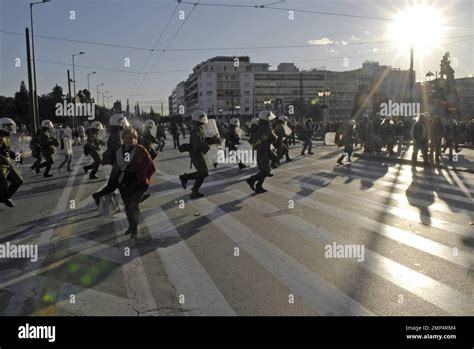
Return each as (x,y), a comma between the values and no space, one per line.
(141,167)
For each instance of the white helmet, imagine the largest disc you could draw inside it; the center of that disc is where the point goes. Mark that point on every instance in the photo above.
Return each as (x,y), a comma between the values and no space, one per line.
(351,122)
(199,116)
(47,123)
(254,121)
(8,124)
(97,125)
(118,120)
(283,118)
(235,122)
(266,115)
(67,132)
(150,123)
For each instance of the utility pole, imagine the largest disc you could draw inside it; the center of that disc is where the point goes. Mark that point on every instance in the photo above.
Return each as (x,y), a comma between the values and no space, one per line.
(70,96)
(301,94)
(34,124)
(412,77)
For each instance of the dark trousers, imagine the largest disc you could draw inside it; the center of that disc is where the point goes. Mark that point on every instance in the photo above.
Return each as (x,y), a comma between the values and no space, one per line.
(420,146)
(348,149)
(161,144)
(112,185)
(199,163)
(131,199)
(47,163)
(15,180)
(263,163)
(67,160)
(308,144)
(435,151)
(283,149)
(176,141)
(37,161)
(95,165)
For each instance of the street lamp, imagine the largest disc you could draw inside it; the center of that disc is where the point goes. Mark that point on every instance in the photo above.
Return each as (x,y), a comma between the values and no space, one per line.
(97,103)
(324,93)
(88,88)
(35,94)
(73,72)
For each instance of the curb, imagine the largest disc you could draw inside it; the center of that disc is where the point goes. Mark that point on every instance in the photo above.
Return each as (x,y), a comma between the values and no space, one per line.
(408,162)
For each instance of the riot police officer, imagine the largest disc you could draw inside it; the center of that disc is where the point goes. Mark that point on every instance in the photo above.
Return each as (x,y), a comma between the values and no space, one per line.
(117,123)
(93,146)
(198,147)
(147,139)
(261,140)
(47,144)
(10,179)
(233,138)
(160,136)
(282,132)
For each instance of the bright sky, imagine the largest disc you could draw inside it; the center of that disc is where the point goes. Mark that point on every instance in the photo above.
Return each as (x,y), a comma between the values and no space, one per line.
(139,23)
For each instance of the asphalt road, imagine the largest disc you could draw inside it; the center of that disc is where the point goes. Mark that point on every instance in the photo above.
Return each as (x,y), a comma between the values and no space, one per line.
(237,253)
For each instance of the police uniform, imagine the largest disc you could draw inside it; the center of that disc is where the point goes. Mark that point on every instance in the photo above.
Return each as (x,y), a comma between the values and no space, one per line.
(147,140)
(93,144)
(199,147)
(264,138)
(232,140)
(8,173)
(47,143)
(281,146)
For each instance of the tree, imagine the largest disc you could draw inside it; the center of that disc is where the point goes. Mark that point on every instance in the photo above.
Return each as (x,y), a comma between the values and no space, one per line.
(117,107)
(84,95)
(7,106)
(447,89)
(22,104)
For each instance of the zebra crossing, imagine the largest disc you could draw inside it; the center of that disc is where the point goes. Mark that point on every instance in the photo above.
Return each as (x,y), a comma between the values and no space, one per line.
(235,253)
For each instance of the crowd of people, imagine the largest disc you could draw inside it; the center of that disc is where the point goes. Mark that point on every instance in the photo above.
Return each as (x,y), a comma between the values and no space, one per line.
(131,151)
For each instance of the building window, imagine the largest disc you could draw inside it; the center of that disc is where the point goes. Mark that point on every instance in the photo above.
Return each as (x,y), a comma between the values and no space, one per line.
(246,93)
(209,93)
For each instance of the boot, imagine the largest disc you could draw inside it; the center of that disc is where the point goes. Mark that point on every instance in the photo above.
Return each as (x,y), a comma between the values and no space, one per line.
(251,182)
(196,195)
(184,180)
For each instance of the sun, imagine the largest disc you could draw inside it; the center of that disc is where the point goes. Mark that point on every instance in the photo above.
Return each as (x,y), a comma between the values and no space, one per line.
(420,27)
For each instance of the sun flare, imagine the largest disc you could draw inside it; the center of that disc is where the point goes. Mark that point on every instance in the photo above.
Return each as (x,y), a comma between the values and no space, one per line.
(419,27)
